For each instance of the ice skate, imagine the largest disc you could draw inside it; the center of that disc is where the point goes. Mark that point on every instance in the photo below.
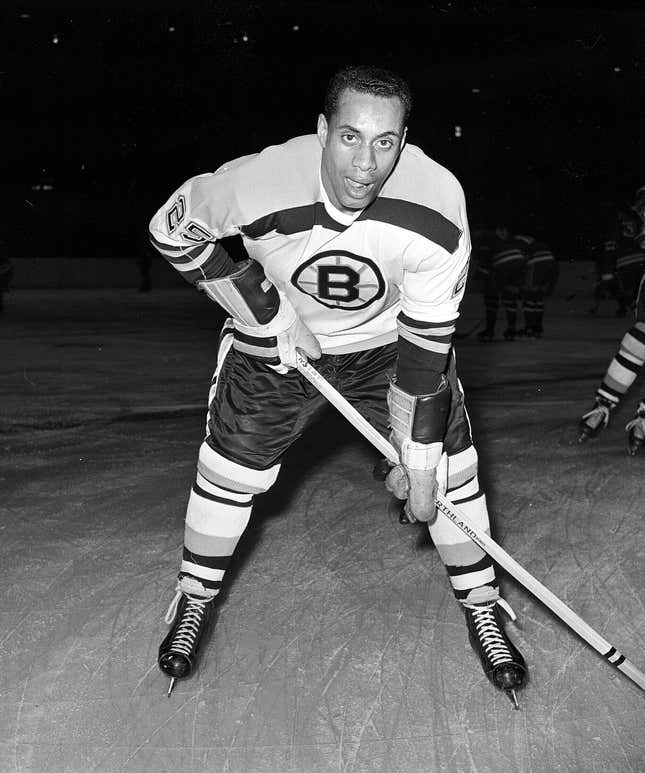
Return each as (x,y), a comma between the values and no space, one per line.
(189,615)
(502,662)
(592,423)
(636,430)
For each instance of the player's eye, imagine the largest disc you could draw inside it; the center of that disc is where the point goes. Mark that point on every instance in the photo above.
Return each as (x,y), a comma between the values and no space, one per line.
(349,138)
(385,144)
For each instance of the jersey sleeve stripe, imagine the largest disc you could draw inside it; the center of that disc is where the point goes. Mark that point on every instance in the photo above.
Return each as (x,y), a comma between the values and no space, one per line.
(413,322)
(184,265)
(418,327)
(424,343)
(164,246)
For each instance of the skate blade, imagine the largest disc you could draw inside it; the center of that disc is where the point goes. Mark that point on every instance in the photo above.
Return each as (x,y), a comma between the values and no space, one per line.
(513,696)
(171,685)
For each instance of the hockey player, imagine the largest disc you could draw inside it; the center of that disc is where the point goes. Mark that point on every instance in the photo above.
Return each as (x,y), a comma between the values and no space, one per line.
(628,360)
(501,263)
(359,249)
(540,276)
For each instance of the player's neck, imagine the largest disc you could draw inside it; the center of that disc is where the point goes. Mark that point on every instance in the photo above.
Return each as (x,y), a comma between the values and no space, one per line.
(340,216)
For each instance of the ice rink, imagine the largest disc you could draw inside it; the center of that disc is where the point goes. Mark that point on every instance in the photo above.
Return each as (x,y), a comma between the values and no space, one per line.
(338,646)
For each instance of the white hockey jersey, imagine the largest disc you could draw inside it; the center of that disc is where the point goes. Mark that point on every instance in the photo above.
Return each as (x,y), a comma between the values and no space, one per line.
(348,276)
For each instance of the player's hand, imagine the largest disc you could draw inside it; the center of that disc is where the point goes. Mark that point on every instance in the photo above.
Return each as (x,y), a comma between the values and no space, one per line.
(416,484)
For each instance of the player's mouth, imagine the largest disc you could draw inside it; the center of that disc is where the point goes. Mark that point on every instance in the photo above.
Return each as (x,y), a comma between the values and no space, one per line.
(357,188)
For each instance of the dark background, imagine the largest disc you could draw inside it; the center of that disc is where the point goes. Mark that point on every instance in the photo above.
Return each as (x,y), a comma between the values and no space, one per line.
(108,107)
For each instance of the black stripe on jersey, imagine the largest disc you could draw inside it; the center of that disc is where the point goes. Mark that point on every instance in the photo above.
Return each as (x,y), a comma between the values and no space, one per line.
(190,252)
(634,367)
(637,334)
(211,562)
(415,217)
(214,498)
(292,221)
(411,322)
(163,246)
(484,563)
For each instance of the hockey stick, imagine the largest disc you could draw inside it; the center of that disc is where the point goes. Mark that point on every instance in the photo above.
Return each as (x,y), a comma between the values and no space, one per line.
(486,543)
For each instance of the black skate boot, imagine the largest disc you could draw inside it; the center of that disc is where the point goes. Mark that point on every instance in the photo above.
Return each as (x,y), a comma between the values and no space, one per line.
(501,660)
(189,615)
(636,430)
(592,423)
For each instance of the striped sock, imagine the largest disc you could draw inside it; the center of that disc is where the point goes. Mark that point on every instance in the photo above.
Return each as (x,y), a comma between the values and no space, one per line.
(469,568)
(625,365)
(215,520)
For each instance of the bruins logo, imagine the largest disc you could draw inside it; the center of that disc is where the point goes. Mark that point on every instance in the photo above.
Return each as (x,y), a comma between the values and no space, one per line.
(340,280)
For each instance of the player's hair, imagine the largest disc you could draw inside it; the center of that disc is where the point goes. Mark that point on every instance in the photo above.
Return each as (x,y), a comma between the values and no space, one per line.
(367,80)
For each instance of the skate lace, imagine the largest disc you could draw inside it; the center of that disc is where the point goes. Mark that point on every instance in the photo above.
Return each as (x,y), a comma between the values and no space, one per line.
(597,415)
(186,633)
(488,631)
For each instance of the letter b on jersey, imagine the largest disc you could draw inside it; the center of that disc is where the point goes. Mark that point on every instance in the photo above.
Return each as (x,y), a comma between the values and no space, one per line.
(340,280)
(338,283)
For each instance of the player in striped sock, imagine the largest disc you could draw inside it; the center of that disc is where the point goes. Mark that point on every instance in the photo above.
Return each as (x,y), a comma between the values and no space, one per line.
(621,374)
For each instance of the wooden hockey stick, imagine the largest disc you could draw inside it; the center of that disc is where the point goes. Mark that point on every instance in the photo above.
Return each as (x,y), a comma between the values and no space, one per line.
(495,551)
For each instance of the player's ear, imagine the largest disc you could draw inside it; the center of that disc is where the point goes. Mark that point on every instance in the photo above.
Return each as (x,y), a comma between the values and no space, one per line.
(323,130)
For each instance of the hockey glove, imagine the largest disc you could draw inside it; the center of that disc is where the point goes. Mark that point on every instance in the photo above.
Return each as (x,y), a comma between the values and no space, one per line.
(418,425)
(265,323)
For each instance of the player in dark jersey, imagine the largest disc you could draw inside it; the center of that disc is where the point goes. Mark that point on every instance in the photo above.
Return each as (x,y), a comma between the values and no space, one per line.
(540,276)
(359,250)
(629,241)
(501,262)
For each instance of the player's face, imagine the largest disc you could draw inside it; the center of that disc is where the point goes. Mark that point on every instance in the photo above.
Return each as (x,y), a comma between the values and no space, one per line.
(361,144)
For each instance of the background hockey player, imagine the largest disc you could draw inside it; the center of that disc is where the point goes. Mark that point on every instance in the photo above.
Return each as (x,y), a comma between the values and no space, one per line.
(622,259)
(359,250)
(628,360)
(540,276)
(501,260)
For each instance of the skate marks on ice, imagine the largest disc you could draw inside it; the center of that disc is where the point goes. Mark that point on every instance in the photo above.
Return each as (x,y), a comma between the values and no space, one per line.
(338,646)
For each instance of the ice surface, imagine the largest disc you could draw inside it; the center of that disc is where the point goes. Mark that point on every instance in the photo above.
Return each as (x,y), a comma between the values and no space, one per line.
(338,645)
